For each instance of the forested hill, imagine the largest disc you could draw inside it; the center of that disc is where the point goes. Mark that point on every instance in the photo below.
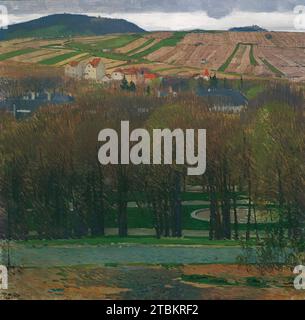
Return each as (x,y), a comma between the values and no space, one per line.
(254,28)
(65,25)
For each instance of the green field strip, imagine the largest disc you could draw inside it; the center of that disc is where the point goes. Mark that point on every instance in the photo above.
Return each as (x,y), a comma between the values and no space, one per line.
(96,50)
(117,42)
(59,58)
(252,58)
(41,55)
(145,44)
(83,57)
(12,54)
(168,42)
(229,60)
(110,55)
(272,68)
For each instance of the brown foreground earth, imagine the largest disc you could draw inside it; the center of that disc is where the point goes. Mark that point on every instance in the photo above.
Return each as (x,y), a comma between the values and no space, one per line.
(141,282)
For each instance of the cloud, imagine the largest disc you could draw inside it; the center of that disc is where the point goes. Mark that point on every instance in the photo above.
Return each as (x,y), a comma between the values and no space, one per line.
(201,20)
(154,21)
(170,15)
(214,8)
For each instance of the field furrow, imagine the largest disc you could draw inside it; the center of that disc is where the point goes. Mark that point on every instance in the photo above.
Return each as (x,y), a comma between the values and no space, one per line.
(79,57)
(132,46)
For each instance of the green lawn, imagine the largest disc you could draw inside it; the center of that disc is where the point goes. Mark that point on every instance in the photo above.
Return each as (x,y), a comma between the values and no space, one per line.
(142,218)
(11,54)
(253,92)
(137,218)
(60,58)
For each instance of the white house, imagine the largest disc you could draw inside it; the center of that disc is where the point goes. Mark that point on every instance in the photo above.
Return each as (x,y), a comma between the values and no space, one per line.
(107,78)
(117,75)
(75,69)
(95,70)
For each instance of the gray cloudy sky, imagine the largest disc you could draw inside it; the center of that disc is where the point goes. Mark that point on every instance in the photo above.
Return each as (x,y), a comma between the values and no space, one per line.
(170,14)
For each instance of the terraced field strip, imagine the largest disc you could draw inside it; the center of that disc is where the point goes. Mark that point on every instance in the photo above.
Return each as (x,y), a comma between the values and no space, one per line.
(168,42)
(32,54)
(229,60)
(5,48)
(164,69)
(57,59)
(154,66)
(11,54)
(115,64)
(199,54)
(272,68)
(175,71)
(79,57)
(118,42)
(261,69)
(83,57)
(132,46)
(37,56)
(162,54)
(244,62)
(180,55)
(252,57)
(15,42)
(145,45)
(52,54)
(93,39)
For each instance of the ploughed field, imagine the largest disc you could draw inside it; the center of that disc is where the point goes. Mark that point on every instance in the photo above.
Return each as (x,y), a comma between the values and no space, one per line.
(262,54)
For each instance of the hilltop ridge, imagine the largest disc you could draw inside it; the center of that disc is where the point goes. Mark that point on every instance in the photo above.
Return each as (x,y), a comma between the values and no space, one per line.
(67,25)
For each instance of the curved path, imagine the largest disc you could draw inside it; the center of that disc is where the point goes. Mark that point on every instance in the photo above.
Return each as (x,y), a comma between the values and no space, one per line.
(204,215)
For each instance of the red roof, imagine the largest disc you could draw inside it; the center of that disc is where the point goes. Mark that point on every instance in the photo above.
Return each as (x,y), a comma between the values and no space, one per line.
(150,76)
(74,63)
(206,73)
(95,62)
(131,71)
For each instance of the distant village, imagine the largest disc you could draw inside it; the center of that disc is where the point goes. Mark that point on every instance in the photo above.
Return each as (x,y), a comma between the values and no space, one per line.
(221,99)
(95,70)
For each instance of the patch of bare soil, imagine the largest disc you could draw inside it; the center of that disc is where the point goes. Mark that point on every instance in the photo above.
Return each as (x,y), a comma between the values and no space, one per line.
(251,282)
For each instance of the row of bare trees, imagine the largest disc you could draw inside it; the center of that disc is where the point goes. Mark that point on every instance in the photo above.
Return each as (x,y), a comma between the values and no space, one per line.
(52,184)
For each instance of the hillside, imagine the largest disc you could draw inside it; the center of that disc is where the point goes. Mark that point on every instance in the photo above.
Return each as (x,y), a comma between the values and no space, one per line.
(67,25)
(258,54)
